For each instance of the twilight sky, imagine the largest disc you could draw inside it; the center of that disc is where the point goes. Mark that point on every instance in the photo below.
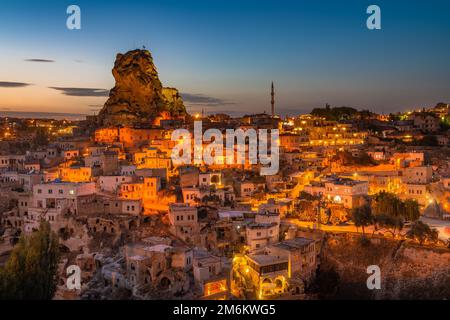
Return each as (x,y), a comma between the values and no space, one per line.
(222,55)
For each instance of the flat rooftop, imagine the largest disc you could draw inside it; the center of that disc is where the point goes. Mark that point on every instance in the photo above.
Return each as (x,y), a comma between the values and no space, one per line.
(157,248)
(207,259)
(347,182)
(138,258)
(293,244)
(231,214)
(260,225)
(265,260)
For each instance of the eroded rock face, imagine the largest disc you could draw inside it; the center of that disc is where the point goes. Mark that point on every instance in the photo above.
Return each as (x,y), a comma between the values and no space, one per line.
(408,271)
(173,102)
(138,96)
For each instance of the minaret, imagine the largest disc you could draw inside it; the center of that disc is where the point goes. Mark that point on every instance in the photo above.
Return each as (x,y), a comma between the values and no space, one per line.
(273,100)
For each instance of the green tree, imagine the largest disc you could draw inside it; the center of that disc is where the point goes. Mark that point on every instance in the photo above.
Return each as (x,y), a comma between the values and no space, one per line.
(362,217)
(31,270)
(422,232)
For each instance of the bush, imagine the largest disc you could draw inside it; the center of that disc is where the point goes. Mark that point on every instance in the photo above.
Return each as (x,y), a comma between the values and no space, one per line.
(31,270)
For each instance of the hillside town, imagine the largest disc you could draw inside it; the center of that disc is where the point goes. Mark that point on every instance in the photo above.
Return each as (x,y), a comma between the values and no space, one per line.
(140,227)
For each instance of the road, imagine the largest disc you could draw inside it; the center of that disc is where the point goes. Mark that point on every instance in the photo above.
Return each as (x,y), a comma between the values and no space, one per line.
(442,226)
(343,228)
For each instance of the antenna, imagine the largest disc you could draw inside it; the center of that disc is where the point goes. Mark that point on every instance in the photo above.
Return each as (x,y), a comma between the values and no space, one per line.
(272,101)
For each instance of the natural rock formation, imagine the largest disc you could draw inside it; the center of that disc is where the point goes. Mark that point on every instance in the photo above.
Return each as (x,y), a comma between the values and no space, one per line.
(173,102)
(408,271)
(138,96)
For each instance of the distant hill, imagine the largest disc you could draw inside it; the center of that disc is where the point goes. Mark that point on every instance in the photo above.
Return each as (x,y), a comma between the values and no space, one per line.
(340,113)
(42,115)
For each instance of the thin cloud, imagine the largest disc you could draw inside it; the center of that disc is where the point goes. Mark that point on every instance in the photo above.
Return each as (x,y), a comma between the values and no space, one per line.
(82,92)
(40,60)
(204,100)
(9,84)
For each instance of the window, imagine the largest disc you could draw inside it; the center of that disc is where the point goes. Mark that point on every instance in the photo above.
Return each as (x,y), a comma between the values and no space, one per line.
(61,191)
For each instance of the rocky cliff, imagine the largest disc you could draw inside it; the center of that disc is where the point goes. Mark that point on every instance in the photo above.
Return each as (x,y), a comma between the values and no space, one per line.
(407,271)
(138,96)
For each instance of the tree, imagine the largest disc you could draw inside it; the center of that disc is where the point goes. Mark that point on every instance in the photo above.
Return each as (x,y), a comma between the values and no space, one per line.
(385,221)
(390,212)
(422,232)
(348,159)
(307,196)
(328,281)
(412,211)
(335,114)
(362,217)
(388,204)
(428,140)
(41,138)
(31,270)
(445,124)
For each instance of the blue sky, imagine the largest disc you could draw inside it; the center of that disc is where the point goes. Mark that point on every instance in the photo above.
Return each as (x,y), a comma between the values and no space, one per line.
(226,53)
